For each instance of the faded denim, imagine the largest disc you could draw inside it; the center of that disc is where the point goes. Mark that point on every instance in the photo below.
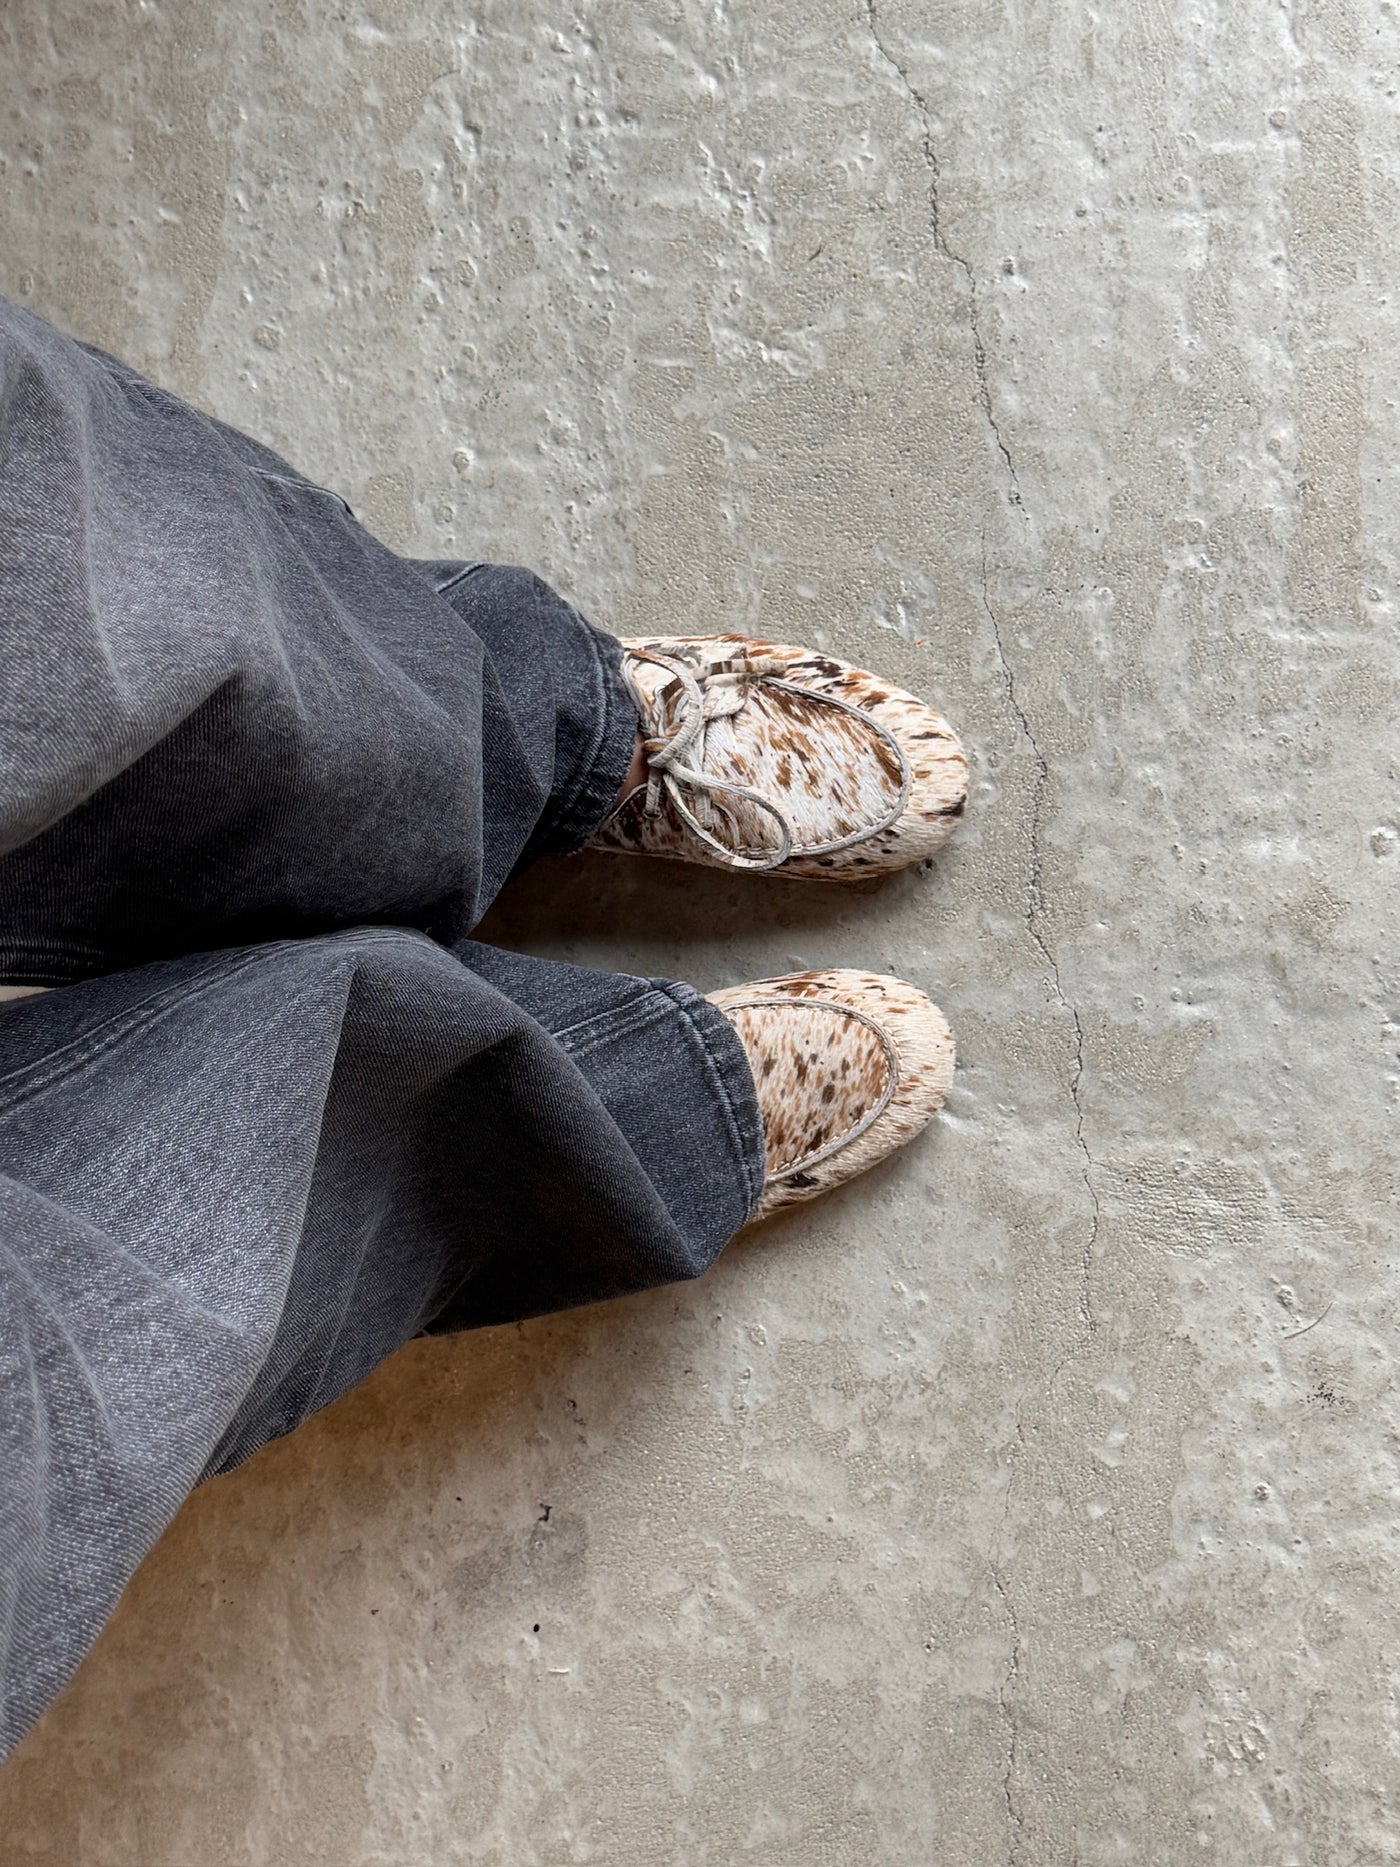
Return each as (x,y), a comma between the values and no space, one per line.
(259,780)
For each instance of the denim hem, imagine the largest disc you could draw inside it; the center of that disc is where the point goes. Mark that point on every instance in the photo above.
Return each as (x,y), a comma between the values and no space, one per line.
(604,768)
(728,1068)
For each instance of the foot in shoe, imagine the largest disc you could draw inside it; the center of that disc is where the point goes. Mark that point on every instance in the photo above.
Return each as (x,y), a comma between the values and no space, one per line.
(848,1067)
(763,756)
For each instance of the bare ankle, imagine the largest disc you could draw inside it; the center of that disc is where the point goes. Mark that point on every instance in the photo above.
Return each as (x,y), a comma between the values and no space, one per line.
(636,773)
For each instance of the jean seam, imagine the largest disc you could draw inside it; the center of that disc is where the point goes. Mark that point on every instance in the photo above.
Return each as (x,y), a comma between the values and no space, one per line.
(586,805)
(305,486)
(687,1000)
(638,1014)
(658,1004)
(460,576)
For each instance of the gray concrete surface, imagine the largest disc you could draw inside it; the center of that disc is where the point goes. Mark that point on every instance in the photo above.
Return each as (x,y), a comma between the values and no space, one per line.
(1038,1499)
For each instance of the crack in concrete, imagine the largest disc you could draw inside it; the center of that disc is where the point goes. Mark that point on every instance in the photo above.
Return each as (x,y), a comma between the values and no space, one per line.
(1035,911)
(1013,1735)
(940,241)
(1007,1683)
(1035,917)
(1036,905)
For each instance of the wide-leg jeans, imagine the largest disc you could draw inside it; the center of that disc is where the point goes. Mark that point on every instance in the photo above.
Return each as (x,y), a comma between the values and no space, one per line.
(259,780)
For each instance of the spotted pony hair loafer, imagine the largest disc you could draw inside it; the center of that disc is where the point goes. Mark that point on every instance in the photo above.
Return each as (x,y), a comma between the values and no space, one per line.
(848,1066)
(765,756)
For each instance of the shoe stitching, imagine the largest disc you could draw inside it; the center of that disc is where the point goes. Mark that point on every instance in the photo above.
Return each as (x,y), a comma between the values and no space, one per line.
(865,1122)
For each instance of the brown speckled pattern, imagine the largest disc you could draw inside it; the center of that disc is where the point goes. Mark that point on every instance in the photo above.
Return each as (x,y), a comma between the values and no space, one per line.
(828,775)
(819,1070)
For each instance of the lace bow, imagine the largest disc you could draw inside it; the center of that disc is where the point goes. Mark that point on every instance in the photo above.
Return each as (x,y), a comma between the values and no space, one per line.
(718,690)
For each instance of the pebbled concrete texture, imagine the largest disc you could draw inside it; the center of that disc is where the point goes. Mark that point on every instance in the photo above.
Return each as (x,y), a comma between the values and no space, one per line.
(1036,1499)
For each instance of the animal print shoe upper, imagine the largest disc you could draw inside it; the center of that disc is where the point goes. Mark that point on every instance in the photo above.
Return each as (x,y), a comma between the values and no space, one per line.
(848,1066)
(766,756)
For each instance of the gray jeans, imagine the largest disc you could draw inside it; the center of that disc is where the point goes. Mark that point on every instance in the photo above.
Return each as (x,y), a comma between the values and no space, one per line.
(259,779)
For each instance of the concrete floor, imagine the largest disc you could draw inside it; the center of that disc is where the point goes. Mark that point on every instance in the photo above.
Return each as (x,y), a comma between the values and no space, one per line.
(1038,1499)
